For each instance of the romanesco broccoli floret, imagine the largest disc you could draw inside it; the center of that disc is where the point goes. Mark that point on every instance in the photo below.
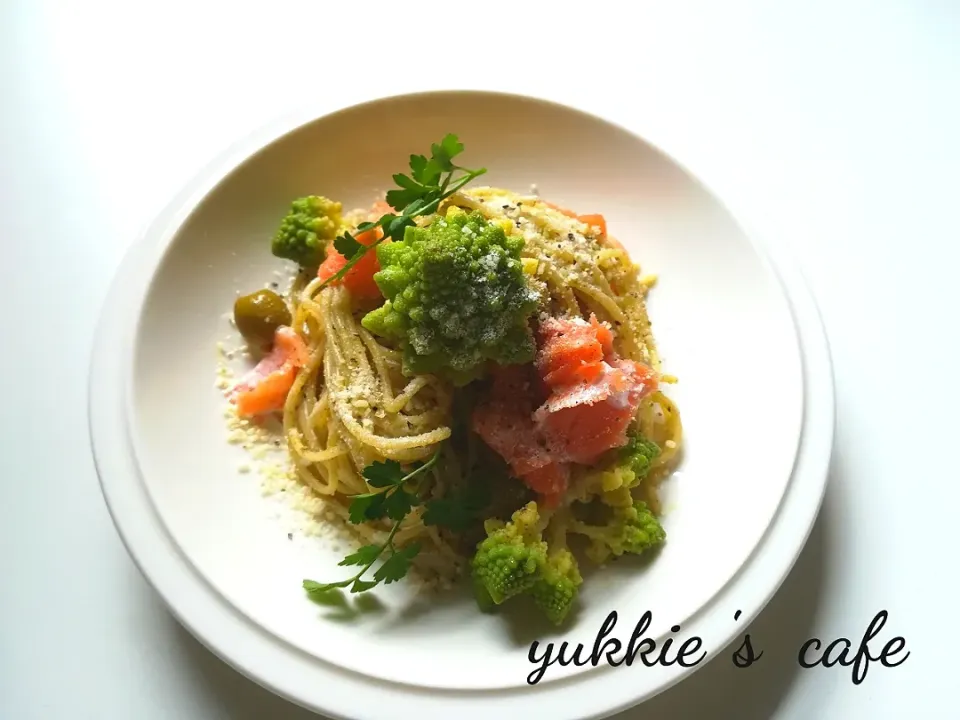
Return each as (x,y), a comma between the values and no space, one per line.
(637,456)
(510,559)
(627,465)
(456,297)
(514,560)
(632,529)
(309,226)
(558,585)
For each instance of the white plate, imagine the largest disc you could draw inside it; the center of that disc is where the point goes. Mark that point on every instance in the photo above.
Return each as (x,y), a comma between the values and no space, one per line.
(739,330)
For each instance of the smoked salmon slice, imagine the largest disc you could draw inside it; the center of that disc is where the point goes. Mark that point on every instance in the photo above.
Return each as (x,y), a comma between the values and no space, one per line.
(264,389)
(583,405)
(583,421)
(504,421)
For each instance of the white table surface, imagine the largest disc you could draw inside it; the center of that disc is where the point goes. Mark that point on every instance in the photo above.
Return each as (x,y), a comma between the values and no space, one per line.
(834,124)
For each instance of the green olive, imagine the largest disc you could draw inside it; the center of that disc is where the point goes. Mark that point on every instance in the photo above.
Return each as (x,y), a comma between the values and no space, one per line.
(259,314)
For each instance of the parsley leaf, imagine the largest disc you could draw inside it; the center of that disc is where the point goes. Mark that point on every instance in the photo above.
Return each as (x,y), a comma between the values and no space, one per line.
(426,172)
(383,474)
(360,586)
(397,565)
(397,225)
(408,183)
(444,153)
(361,507)
(419,193)
(418,163)
(328,597)
(312,586)
(391,500)
(364,556)
(398,504)
(377,509)
(324,593)
(347,245)
(401,199)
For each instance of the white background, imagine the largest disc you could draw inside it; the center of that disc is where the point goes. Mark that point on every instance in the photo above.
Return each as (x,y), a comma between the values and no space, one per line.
(832,126)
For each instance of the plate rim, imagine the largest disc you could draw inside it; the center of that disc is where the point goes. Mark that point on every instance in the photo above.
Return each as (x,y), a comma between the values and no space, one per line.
(818,392)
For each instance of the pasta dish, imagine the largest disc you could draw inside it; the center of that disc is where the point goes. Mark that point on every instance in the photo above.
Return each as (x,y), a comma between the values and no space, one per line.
(467,379)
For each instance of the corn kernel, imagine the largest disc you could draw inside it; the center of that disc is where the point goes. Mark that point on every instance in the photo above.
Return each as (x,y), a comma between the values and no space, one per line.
(529,265)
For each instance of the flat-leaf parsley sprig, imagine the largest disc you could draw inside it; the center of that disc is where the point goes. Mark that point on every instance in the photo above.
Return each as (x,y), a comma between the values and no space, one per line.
(393,500)
(431,181)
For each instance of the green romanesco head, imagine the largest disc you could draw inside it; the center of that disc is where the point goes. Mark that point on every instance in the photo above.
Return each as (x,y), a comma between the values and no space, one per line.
(633,529)
(456,298)
(510,559)
(309,226)
(558,585)
(642,529)
(637,456)
(624,467)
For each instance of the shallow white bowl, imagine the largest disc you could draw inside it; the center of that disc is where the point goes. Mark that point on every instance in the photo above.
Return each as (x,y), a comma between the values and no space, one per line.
(755,395)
